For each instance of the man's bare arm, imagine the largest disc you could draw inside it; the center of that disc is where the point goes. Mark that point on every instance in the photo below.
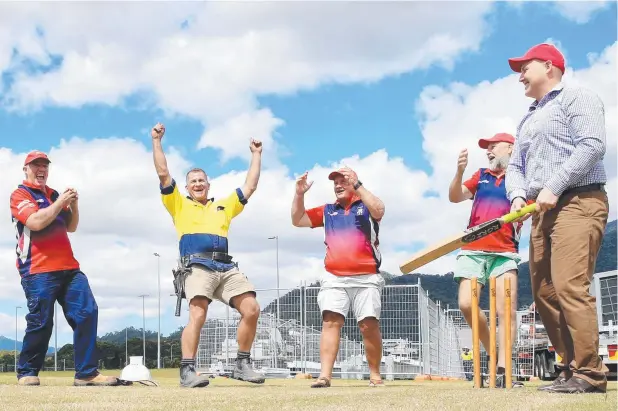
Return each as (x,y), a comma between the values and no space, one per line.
(299,213)
(158,156)
(458,192)
(45,216)
(253,175)
(73,218)
(161,163)
(372,202)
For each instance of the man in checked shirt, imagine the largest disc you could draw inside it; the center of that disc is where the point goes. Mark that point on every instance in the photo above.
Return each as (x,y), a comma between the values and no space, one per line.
(557,162)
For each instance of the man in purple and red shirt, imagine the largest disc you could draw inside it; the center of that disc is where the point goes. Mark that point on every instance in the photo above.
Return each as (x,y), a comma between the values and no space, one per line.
(49,272)
(351,278)
(496,255)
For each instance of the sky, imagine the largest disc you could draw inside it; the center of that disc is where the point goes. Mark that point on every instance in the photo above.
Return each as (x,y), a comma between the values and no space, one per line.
(394,90)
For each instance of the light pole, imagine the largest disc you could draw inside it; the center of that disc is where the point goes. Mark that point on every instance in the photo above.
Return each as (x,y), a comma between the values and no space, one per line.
(276,238)
(159,291)
(126,346)
(16,308)
(144,324)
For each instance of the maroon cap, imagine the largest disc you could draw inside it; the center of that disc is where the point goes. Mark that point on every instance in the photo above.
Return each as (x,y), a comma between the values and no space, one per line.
(500,137)
(334,174)
(35,155)
(544,52)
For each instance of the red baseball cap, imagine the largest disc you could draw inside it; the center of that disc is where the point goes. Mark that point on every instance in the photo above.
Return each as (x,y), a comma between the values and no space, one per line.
(334,174)
(543,51)
(35,155)
(500,137)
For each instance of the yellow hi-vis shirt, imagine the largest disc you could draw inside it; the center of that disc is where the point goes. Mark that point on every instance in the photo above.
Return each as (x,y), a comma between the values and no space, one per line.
(466,357)
(202,228)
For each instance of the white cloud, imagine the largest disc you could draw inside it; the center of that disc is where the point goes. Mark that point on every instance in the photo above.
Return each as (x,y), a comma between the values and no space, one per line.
(229,54)
(232,137)
(577,11)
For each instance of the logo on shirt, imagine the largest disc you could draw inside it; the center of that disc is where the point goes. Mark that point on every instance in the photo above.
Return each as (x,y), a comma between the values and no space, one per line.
(360,210)
(23,205)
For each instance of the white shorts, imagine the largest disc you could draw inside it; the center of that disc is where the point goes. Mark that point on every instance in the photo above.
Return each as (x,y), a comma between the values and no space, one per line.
(365,301)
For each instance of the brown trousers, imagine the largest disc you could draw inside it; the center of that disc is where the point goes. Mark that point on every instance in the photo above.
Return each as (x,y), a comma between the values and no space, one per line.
(564,244)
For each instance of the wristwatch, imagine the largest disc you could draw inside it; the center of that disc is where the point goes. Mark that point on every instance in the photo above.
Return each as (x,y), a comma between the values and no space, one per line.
(357,185)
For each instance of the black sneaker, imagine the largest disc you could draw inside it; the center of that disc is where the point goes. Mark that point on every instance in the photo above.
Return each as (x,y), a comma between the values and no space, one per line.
(243,371)
(190,379)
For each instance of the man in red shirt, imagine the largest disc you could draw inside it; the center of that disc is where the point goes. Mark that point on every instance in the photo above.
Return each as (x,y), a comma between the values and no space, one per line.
(49,272)
(351,278)
(496,255)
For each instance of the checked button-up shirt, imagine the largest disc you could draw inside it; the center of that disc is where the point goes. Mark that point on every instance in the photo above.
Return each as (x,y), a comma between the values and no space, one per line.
(560,144)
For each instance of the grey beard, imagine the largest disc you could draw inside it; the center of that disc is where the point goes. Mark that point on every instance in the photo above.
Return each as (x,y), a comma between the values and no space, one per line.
(499,163)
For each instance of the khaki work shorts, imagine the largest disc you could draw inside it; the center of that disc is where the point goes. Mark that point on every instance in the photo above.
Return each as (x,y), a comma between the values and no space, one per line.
(215,285)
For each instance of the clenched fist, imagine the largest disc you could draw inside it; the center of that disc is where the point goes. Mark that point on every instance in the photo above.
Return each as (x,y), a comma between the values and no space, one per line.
(255,146)
(157,131)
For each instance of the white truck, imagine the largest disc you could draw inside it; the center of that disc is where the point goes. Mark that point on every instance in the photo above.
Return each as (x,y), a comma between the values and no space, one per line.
(536,355)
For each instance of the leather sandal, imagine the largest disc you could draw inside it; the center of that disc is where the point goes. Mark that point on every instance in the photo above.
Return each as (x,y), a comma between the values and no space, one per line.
(375,382)
(321,382)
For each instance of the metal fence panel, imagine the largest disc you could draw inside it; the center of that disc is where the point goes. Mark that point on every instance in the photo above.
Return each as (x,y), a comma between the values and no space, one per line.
(418,337)
(523,344)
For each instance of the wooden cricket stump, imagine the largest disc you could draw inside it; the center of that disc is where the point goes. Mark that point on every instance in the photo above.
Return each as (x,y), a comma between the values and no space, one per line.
(492,332)
(476,351)
(508,346)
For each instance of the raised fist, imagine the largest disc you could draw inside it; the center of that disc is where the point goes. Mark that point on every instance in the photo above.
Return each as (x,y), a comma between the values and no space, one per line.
(255,146)
(157,131)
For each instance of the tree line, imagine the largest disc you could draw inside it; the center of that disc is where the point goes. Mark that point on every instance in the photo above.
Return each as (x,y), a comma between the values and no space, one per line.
(112,351)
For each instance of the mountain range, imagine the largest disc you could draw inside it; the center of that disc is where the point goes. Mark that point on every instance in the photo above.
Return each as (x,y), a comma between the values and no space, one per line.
(8,344)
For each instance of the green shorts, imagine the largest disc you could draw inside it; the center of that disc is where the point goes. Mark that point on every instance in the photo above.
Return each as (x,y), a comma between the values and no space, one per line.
(484,265)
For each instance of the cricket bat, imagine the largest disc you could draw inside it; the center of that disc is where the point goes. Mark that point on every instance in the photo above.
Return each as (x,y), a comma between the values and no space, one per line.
(454,242)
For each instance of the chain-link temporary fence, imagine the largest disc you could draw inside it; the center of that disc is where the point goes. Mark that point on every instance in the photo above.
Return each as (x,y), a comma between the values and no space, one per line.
(419,337)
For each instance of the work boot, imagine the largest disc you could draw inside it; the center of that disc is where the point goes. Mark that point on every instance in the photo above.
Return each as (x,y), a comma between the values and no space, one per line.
(243,371)
(98,380)
(562,378)
(190,379)
(29,380)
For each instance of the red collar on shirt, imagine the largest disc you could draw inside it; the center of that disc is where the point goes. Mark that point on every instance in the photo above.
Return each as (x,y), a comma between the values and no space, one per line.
(353,200)
(493,173)
(48,190)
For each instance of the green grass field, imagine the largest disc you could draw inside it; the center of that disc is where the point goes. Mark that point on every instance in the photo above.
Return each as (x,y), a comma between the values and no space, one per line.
(56,393)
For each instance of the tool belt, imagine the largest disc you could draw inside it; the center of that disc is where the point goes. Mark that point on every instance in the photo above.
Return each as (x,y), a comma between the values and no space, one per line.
(184,269)
(214,255)
(180,276)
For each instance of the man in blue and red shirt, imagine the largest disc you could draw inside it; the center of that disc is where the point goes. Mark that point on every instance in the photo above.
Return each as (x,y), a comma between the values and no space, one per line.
(496,255)
(351,278)
(49,272)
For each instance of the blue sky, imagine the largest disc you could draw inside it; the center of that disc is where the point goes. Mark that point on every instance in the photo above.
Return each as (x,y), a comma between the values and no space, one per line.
(326,118)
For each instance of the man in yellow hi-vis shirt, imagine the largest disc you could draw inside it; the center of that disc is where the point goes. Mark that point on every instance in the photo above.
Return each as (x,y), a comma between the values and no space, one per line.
(202,225)
(466,358)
